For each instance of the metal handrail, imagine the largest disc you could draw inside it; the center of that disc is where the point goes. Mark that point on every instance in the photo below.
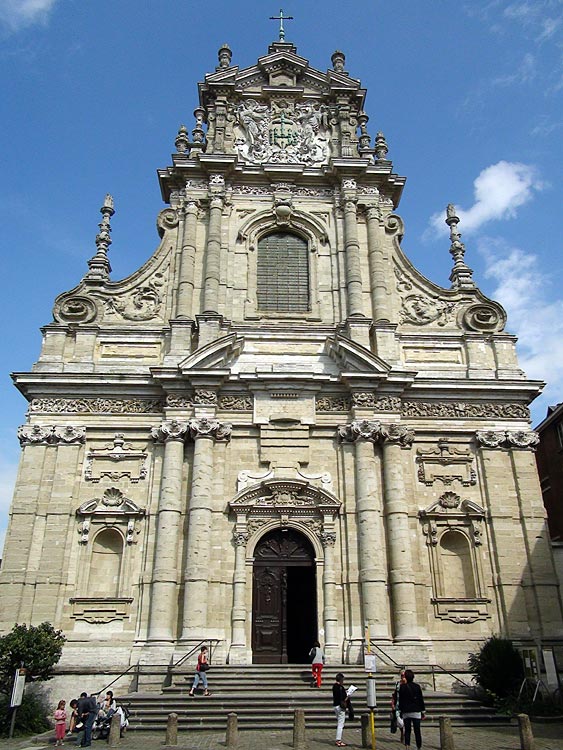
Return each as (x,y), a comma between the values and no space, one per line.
(211,641)
(432,667)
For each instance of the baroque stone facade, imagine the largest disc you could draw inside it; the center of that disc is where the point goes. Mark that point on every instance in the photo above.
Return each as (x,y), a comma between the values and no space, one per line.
(277,429)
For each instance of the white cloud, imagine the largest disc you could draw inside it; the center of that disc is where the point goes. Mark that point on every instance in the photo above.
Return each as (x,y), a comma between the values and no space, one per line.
(499,191)
(523,289)
(524,73)
(16,14)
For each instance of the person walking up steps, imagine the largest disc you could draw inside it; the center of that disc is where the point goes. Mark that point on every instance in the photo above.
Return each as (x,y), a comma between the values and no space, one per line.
(201,672)
(317,657)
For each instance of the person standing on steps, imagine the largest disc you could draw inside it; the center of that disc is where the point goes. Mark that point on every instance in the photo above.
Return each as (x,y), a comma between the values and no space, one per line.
(411,705)
(339,701)
(318,659)
(201,672)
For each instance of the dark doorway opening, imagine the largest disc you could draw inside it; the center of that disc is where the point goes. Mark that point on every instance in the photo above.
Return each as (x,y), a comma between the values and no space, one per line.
(284,598)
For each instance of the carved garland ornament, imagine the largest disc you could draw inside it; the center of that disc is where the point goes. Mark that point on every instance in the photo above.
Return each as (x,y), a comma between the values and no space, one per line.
(96,406)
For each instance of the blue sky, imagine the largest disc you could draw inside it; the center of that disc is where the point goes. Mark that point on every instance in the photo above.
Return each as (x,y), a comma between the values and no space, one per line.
(468,94)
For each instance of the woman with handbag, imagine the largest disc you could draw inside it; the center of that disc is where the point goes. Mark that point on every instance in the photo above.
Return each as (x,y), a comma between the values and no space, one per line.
(201,672)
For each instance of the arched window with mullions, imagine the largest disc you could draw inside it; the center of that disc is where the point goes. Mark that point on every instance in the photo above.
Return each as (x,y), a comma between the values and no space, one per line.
(283,277)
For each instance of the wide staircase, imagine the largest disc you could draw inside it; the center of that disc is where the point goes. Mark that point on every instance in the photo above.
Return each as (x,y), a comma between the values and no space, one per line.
(265,696)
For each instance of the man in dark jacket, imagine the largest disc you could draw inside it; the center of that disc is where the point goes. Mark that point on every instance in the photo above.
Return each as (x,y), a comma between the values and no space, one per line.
(87,710)
(412,708)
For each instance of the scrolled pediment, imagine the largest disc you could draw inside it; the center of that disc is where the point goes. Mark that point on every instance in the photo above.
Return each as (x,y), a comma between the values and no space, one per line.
(284,495)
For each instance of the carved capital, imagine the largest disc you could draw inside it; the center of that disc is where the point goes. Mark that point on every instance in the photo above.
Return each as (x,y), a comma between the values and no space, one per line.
(240,538)
(210,428)
(57,435)
(523,439)
(170,431)
(328,538)
(360,430)
(397,433)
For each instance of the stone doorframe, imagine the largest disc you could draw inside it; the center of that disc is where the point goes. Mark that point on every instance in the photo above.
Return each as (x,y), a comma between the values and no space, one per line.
(289,503)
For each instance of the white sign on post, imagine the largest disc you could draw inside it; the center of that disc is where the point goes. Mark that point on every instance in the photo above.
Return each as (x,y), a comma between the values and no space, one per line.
(17,692)
(370,663)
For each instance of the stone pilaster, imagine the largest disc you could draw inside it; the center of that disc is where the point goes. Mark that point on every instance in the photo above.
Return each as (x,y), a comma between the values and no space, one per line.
(371,536)
(330,613)
(352,251)
(527,583)
(164,590)
(184,304)
(205,432)
(238,613)
(401,575)
(376,261)
(213,248)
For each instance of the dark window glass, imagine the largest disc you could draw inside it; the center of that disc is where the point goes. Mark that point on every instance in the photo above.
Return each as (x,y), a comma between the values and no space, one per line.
(283,273)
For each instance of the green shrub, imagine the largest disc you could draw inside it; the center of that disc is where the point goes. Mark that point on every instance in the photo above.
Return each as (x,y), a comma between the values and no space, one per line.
(31,716)
(497,667)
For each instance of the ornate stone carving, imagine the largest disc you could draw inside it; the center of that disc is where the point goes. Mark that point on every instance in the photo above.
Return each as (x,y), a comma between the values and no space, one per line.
(483,317)
(111,509)
(464,410)
(172,430)
(328,538)
(285,498)
(167,219)
(323,478)
(524,439)
(332,403)
(76,308)
(235,403)
(421,310)
(142,303)
(240,538)
(95,406)
(99,610)
(116,460)
(376,432)
(46,435)
(369,399)
(286,132)
(398,433)
(205,397)
(449,500)
(179,402)
(219,431)
(446,464)
(247,478)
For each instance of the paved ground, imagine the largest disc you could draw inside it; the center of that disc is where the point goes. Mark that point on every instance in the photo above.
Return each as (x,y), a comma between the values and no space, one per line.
(547,737)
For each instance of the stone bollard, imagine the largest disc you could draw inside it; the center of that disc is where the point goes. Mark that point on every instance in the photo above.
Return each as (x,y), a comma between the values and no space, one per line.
(172,730)
(366,733)
(526,736)
(446,734)
(232,730)
(299,729)
(114,739)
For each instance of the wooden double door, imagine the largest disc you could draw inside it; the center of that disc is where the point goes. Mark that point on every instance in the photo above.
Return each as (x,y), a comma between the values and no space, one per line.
(284,599)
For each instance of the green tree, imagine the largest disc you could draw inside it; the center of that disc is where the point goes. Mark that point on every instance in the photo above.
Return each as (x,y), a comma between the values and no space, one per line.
(38,648)
(497,667)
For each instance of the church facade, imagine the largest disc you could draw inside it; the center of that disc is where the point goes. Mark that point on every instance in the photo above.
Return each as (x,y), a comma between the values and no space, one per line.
(277,429)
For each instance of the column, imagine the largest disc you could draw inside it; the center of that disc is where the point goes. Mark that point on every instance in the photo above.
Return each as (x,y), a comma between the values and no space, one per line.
(238,641)
(187,262)
(371,537)
(164,592)
(330,614)
(213,255)
(353,264)
(401,574)
(376,260)
(205,432)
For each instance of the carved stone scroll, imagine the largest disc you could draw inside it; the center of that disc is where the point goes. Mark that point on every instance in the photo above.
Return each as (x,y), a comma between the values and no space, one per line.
(46,435)
(523,439)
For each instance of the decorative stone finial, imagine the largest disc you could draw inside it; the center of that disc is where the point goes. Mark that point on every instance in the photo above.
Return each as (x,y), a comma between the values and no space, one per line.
(365,138)
(182,141)
(338,59)
(381,148)
(99,265)
(461,275)
(198,133)
(225,56)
